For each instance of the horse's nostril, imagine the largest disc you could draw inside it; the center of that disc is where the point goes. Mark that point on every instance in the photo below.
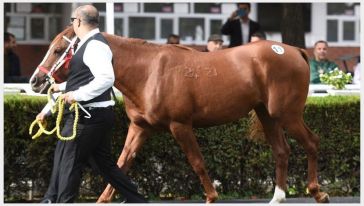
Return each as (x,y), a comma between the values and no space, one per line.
(34,81)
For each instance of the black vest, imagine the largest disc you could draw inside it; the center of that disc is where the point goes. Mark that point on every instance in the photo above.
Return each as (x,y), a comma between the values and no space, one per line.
(80,74)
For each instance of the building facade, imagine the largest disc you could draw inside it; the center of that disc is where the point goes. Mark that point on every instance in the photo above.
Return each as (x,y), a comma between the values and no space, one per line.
(36,24)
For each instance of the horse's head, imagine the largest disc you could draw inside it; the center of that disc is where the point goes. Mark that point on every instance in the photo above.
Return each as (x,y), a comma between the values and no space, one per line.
(54,67)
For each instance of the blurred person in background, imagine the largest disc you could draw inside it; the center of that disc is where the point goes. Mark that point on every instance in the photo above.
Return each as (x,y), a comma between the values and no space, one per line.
(173,39)
(320,64)
(239,26)
(214,43)
(11,61)
(259,35)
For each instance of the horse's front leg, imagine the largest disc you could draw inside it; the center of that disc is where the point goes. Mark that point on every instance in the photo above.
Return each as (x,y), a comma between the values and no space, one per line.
(134,140)
(187,140)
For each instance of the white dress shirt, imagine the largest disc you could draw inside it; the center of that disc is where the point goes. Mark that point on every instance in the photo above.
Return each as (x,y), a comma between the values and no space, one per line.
(245,31)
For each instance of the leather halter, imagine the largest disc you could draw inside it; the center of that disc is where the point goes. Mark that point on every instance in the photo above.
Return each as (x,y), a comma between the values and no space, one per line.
(63,60)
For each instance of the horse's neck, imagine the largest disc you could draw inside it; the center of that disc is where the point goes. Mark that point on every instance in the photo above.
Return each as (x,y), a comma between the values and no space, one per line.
(131,66)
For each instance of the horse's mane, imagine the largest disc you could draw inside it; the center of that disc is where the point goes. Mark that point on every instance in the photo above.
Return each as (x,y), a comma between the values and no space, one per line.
(68,30)
(136,42)
(184,47)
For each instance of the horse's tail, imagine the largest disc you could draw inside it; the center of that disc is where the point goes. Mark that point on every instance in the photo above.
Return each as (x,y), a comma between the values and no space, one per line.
(304,55)
(256,132)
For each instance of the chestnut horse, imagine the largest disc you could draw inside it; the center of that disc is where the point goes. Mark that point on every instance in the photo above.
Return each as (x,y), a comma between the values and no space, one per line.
(177,88)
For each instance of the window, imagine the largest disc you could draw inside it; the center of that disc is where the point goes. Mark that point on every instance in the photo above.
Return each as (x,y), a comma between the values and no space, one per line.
(101,7)
(270,16)
(213,8)
(102,26)
(347,9)
(55,24)
(215,26)
(142,27)
(348,31)
(33,22)
(119,26)
(17,27)
(332,31)
(37,28)
(342,22)
(47,8)
(158,7)
(118,7)
(166,28)
(191,29)
(193,22)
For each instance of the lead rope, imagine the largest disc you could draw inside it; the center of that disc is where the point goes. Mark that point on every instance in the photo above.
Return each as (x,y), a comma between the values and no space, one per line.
(59,105)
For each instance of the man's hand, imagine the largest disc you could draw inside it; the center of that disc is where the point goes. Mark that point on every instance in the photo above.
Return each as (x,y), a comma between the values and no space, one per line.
(233,15)
(55,87)
(41,116)
(68,97)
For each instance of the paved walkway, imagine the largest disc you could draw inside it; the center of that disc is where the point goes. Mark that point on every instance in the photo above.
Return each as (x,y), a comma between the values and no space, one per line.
(289,200)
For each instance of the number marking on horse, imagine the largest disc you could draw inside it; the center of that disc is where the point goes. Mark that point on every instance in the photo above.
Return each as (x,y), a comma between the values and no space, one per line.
(277,49)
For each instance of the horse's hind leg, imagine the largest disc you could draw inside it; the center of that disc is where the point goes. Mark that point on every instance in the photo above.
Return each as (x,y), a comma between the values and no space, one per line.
(187,140)
(134,140)
(275,137)
(310,141)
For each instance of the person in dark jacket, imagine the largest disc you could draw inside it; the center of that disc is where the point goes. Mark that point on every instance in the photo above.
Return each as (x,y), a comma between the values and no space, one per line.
(11,61)
(239,27)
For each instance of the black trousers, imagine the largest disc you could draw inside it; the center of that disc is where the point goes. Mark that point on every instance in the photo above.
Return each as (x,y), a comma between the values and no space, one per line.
(93,141)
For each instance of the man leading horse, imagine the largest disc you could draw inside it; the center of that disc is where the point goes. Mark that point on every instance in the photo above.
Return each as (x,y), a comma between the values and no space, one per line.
(89,82)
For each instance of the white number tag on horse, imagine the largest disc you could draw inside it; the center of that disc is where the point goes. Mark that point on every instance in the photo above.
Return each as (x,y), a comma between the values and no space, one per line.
(277,49)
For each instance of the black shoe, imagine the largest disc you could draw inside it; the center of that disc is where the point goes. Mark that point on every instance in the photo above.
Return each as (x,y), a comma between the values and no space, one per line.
(47,201)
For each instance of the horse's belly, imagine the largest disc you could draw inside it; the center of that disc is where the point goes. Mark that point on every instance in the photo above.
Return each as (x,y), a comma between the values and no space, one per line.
(218,117)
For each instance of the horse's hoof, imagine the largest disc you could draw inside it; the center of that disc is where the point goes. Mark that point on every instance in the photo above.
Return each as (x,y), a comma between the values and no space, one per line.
(323,198)
(212,198)
(103,200)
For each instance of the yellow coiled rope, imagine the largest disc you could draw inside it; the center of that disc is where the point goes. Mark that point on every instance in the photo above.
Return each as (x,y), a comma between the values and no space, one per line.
(59,105)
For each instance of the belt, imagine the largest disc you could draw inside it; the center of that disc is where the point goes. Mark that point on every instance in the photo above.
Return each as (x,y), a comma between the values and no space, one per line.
(97,108)
(88,109)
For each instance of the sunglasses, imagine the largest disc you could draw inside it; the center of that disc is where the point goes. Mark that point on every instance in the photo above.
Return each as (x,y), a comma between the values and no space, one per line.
(72,19)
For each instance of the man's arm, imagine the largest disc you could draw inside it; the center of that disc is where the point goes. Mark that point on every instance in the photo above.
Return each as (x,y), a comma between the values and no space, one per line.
(227,28)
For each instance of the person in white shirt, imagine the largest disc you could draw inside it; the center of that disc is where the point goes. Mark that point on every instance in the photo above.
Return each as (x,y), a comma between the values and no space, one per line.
(89,83)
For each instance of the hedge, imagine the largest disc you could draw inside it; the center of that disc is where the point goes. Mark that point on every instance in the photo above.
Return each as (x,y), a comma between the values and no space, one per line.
(244,168)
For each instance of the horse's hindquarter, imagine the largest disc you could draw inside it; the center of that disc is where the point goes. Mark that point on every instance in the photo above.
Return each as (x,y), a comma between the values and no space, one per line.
(283,74)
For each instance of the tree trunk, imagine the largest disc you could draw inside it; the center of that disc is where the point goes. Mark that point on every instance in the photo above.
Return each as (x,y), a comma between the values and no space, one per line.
(292,26)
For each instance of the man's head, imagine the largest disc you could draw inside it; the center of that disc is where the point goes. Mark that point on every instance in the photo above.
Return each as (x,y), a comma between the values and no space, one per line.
(84,19)
(214,43)
(9,42)
(173,39)
(243,9)
(320,50)
(259,35)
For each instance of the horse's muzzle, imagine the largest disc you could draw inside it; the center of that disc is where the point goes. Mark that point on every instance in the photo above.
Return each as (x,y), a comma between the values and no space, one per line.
(39,87)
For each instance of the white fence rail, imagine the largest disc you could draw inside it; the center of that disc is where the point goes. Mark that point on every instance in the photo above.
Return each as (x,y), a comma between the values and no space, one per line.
(314,90)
